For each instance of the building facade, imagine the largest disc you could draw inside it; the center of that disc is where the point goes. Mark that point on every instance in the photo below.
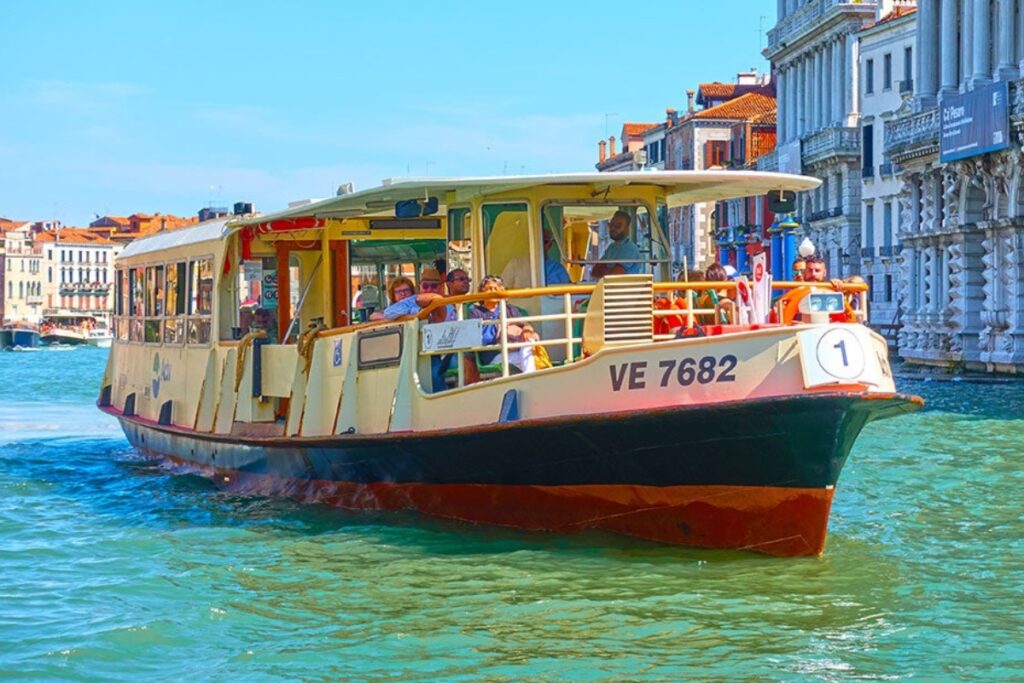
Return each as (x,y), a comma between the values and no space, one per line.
(814,53)
(887,76)
(23,276)
(79,272)
(962,215)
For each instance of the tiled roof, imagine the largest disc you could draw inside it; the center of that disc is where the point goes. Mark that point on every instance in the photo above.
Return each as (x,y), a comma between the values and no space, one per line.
(72,236)
(744,107)
(897,12)
(723,91)
(631,129)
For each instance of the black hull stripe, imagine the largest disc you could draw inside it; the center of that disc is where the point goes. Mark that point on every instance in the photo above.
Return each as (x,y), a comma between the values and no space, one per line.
(799,442)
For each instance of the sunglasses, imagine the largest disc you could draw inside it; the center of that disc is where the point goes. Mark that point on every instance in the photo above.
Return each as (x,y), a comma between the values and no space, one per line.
(430,286)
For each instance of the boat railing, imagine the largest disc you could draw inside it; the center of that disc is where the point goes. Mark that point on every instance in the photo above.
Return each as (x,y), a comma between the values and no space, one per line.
(563,328)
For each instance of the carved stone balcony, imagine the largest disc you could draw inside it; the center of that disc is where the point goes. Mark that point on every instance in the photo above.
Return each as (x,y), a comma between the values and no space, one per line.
(809,18)
(913,135)
(837,143)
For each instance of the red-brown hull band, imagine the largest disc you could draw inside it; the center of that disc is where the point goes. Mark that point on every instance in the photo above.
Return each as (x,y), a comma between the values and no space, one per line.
(778,521)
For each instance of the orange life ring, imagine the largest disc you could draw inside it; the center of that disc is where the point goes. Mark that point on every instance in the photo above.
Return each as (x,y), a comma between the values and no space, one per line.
(791,304)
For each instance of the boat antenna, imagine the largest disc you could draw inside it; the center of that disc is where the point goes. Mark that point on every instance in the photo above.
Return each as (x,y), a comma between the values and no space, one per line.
(302,300)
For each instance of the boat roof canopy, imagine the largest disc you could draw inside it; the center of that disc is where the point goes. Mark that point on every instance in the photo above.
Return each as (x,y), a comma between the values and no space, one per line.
(681,187)
(210,231)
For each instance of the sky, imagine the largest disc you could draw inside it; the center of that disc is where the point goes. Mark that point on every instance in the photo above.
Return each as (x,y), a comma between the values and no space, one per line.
(121,107)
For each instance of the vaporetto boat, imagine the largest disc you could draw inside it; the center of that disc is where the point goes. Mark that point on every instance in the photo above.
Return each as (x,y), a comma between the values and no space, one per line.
(240,355)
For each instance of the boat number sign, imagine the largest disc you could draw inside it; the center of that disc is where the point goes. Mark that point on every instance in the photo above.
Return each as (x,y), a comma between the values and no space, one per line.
(839,354)
(453,335)
(669,372)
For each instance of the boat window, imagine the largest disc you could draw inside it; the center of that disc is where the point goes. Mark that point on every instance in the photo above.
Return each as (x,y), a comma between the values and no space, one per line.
(174,323)
(154,303)
(460,252)
(136,279)
(121,304)
(257,296)
(200,301)
(507,242)
(583,238)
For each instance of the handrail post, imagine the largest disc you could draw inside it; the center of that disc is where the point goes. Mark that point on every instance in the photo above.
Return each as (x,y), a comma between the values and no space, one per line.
(460,356)
(502,320)
(567,311)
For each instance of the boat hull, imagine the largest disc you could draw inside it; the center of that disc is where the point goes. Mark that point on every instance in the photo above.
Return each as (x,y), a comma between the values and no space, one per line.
(751,475)
(62,338)
(19,337)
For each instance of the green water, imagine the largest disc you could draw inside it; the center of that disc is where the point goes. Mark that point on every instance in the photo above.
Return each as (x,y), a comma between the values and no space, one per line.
(115,570)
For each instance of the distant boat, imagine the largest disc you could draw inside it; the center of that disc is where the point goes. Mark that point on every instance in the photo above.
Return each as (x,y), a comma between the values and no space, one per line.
(19,336)
(68,329)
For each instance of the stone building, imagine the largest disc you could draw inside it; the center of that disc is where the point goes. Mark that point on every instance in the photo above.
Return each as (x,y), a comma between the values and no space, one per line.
(23,275)
(887,77)
(814,52)
(962,215)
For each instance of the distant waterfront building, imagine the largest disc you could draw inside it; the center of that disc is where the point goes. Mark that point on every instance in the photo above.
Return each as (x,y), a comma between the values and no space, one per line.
(962,188)
(813,49)
(701,140)
(22,275)
(79,274)
(887,79)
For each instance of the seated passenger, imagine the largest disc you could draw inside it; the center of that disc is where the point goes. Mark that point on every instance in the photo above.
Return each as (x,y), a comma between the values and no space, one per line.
(671,324)
(488,309)
(406,304)
(458,282)
(622,248)
(710,298)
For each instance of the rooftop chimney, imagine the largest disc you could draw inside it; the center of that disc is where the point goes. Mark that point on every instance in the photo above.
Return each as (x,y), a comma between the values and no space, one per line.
(689,100)
(671,117)
(611,146)
(602,152)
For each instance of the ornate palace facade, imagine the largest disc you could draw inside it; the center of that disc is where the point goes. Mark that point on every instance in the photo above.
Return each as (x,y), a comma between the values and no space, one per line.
(962,222)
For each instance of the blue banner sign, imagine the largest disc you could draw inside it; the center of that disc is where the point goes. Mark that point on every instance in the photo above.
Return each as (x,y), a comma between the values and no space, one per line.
(974,122)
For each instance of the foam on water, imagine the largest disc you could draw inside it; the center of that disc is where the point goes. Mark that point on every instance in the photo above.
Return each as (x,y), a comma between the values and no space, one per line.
(116,570)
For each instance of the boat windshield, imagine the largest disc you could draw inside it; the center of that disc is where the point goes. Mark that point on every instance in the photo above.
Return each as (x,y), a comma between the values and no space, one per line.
(586,236)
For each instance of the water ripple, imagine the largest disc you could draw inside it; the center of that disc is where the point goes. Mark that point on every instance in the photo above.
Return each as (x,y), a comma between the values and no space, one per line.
(117,570)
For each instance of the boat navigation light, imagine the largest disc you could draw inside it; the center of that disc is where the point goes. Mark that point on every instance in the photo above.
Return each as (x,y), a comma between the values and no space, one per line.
(806,248)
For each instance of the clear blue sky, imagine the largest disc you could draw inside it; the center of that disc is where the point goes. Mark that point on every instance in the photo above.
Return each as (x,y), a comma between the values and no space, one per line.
(116,107)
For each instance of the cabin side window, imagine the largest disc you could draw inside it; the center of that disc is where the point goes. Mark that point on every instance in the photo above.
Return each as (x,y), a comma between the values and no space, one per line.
(154,303)
(460,252)
(175,293)
(122,304)
(257,296)
(200,301)
(507,243)
(136,280)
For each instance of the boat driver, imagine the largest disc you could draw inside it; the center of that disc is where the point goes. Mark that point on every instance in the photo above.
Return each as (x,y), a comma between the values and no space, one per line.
(622,249)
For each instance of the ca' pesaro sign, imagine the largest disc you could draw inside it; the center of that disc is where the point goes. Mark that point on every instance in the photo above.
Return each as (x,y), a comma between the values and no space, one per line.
(974,122)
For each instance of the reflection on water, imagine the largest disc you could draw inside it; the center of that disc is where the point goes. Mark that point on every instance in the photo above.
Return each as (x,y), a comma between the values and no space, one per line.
(117,570)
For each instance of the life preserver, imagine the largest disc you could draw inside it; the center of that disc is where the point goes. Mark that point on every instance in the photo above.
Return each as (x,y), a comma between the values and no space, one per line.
(791,304)
(791,307)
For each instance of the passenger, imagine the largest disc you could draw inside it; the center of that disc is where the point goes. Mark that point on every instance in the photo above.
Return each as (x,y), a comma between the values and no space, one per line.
(672,324)
(622,248)
(516,273)
(488,309)
(458,282)
(554,271)
(799,269)
(407,304)
(711,298)
(815,270)
(400,288)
